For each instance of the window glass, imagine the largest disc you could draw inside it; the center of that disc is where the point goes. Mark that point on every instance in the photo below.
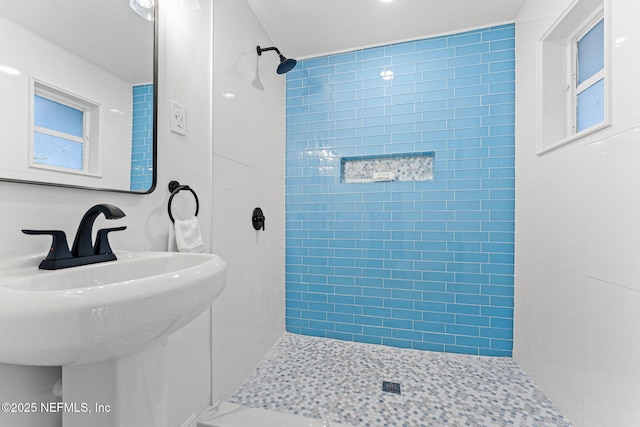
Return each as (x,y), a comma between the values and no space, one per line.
(590,108)
(58,137)
(591,52)
(55,151)
(58,117)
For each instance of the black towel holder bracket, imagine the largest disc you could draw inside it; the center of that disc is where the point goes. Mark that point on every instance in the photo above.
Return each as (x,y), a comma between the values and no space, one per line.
(175,188)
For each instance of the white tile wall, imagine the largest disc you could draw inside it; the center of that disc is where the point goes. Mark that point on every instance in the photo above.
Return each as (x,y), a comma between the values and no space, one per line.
(612,208)
(612,372)
(248,172)
(577,293)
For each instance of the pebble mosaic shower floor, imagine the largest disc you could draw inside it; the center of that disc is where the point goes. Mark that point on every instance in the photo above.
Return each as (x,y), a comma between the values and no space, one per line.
(341,382)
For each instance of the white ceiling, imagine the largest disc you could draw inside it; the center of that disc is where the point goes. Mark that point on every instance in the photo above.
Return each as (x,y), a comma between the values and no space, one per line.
(308,28)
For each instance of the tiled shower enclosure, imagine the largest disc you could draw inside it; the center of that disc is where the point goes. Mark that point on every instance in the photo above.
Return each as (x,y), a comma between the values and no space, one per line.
(424,264)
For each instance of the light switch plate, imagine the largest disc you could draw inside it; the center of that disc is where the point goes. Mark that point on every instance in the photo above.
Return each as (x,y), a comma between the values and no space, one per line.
(178,118)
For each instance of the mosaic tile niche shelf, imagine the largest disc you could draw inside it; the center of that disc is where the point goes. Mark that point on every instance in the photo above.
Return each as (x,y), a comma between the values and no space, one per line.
(396,167)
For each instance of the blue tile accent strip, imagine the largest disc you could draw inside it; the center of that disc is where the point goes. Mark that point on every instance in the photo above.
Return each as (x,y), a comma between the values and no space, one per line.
(412,264)
(142,138)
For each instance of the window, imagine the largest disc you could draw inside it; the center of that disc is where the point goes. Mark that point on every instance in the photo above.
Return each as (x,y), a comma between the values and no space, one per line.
(64,131)
(58,134)
(573,64)
(589,63)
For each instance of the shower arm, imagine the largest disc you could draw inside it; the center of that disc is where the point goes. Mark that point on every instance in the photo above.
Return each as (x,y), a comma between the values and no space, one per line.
(285,66)
(260,50)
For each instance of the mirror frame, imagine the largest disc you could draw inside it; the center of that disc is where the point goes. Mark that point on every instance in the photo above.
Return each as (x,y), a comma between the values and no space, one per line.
(154,172)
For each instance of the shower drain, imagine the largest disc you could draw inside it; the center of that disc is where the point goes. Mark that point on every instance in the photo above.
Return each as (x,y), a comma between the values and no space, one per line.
(390,387)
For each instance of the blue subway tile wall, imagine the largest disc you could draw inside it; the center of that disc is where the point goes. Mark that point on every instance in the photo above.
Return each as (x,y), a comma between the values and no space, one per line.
(142,138)
(425,264)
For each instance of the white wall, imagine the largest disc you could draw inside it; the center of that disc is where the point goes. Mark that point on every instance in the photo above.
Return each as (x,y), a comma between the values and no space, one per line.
(248,172)
(577,316)
(185,76)
(234,162)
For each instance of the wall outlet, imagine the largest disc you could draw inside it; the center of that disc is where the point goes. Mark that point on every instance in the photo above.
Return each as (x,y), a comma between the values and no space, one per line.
(178,118)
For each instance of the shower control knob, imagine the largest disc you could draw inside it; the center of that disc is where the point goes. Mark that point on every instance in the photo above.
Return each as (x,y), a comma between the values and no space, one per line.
(258,219)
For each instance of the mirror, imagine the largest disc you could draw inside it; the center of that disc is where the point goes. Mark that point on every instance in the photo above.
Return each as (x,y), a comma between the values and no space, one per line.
(78,90)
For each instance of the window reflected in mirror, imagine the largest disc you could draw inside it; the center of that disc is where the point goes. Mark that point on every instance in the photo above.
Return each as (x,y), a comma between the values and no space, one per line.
(77,89)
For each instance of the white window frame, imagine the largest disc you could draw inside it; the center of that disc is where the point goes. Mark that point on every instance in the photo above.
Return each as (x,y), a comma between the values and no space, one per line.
(556,112)
(92,148)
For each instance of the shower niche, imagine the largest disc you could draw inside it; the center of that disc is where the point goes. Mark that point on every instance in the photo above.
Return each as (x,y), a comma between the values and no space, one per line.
(388,168)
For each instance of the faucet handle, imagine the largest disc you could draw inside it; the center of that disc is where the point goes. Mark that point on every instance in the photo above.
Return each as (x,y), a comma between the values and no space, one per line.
(102,241)
(59,246)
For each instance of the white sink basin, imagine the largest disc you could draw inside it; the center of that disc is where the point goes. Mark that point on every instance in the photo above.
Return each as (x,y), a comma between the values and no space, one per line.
(101,311)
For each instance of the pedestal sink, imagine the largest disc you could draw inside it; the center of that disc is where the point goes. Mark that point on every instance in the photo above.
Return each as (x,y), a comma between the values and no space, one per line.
(101,311)
(100,321)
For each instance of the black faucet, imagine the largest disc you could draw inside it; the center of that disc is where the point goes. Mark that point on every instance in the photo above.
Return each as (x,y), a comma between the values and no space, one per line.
(84,251)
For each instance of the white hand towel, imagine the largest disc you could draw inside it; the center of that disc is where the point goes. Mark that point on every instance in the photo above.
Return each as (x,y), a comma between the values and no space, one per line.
(188,237)
(171,243)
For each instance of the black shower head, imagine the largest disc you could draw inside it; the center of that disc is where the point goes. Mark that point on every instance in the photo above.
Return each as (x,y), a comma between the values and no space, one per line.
(286,64)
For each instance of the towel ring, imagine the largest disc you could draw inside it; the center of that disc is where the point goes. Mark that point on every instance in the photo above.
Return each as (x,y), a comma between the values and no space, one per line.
(175,188)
